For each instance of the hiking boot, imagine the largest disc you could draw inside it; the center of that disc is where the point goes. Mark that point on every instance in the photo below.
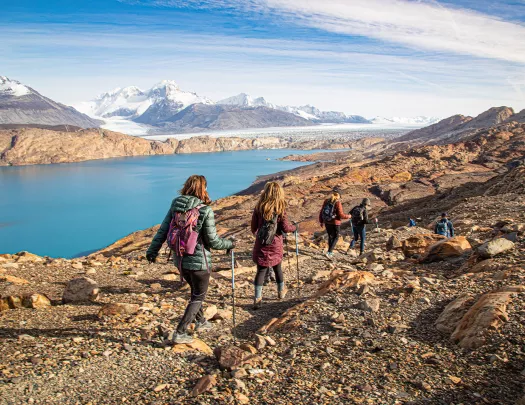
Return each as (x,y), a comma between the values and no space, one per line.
(282,293)
(257,302)
(203,326)
(329,255)
(183,338)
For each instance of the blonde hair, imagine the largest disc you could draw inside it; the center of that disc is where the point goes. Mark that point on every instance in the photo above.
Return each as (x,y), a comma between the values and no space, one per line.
(335,196)
(196,187)
(271,201)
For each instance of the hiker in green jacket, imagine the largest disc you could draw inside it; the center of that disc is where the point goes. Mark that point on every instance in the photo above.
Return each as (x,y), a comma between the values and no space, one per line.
(189,227)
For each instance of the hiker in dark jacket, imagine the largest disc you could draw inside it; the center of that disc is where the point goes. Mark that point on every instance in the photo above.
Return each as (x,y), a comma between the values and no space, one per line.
(360,218)
(194,268)
(270,210)
(411,222)
(444,226)
(330,216)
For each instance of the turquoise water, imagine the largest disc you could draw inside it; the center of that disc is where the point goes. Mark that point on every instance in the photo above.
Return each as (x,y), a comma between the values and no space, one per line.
(71,209)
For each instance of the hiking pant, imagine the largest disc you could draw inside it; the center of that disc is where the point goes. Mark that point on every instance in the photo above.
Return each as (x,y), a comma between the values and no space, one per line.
(198,282)
(359,232)
(261,273)
(333,235)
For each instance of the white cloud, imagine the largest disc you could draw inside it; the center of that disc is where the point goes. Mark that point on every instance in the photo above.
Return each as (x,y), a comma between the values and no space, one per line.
(422,25)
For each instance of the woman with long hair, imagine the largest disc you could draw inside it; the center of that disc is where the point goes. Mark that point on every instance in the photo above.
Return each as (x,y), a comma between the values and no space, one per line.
(192,204)
(331,216)
(269,223)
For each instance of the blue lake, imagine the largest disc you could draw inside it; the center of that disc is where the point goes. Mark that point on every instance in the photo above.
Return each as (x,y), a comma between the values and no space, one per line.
(66,210)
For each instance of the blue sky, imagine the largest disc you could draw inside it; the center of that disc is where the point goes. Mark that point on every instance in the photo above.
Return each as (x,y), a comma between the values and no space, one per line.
(367,57)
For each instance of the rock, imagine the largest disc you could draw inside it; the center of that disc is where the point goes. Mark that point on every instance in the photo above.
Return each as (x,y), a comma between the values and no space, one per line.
(396,328)
(206,383)
(14,302)
(239,373)
(13,280)
(36,301)
(260,342)
(270,341)
(453,313)
(196,345)
(248,348)
(210,312)
(156,286)
(453,247)
(26,257)
(370,305)
(4,305)
(80,290)
(417,245)
(160,387)
(495,247)
(454,380)
(375,267)
(485,316)
(170,277)
(118,309)
(393,243)
(13,266)
(242,399)
(223,314)
(77,266)
(91,272)
(230,357)
(521,401)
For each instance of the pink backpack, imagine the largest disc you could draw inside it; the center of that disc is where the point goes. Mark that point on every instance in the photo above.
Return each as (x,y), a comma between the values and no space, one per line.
(182,237)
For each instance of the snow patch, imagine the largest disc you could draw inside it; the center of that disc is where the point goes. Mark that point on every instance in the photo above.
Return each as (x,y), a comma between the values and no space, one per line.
(13,87)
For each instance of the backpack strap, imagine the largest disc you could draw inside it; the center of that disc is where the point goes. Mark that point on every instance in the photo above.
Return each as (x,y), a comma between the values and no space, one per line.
(202,243)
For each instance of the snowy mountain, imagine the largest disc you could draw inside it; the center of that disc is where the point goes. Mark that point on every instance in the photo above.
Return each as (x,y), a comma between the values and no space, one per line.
(22,105)
(307,112)
(419,121)
(162,101)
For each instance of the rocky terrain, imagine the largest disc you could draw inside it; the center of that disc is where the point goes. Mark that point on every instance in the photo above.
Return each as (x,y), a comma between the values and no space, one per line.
(28,146)
(20,104)
(459,127)
(417,319)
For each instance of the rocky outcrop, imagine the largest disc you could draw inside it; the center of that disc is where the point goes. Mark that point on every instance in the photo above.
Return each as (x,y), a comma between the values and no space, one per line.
(29,146)
(448,248)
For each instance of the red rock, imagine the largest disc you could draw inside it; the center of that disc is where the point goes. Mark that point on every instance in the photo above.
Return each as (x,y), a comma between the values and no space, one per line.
(206,383)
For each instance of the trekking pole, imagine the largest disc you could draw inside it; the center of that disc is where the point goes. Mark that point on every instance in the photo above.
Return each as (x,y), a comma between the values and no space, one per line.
(233,296)
(297,258)
(287,252)
(377,226)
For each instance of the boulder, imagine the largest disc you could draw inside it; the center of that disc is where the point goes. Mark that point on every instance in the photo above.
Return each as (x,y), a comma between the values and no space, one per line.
(118,309)
(453,247)
(485,266)
(453,313)
(36,301)
(230,357)
(80,290)
(210,312)
(206,383)
(417,245)
(393,243)
(484,317)
(495,247)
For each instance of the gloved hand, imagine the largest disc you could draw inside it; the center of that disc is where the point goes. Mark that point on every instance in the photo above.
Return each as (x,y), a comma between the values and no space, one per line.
(152,258)
(233,241)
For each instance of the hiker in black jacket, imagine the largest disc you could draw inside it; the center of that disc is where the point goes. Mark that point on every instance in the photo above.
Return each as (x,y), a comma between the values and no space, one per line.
(359,220)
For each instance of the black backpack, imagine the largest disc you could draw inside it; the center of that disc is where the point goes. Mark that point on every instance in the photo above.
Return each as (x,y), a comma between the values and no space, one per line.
(328,212)
(268,230)
(358,215)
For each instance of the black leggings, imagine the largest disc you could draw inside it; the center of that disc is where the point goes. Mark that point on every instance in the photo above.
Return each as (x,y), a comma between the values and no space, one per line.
(333,235)
(261,273)
(198,281)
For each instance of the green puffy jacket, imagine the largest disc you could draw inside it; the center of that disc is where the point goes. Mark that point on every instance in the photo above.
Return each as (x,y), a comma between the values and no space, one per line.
(205,227)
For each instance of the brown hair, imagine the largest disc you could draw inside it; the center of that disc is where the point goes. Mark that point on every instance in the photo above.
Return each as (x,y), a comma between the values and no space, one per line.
(196,187)
(271,201)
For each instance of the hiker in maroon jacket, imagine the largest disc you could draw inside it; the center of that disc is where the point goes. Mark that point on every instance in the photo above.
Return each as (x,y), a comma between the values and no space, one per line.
(269,222)
(330,216)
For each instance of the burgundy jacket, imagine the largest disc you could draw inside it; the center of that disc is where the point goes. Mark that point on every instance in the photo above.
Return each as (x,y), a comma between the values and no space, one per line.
(338,211)
(270,255)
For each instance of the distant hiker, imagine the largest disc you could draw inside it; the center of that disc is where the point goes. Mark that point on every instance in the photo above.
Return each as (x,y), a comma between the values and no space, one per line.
(360,218)
(444,226)
(330,216)
(411,222)
(189,228)
(269,222)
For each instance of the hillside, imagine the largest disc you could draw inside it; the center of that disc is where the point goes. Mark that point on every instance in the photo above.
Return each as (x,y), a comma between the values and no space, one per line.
(414,320)
(20,104)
